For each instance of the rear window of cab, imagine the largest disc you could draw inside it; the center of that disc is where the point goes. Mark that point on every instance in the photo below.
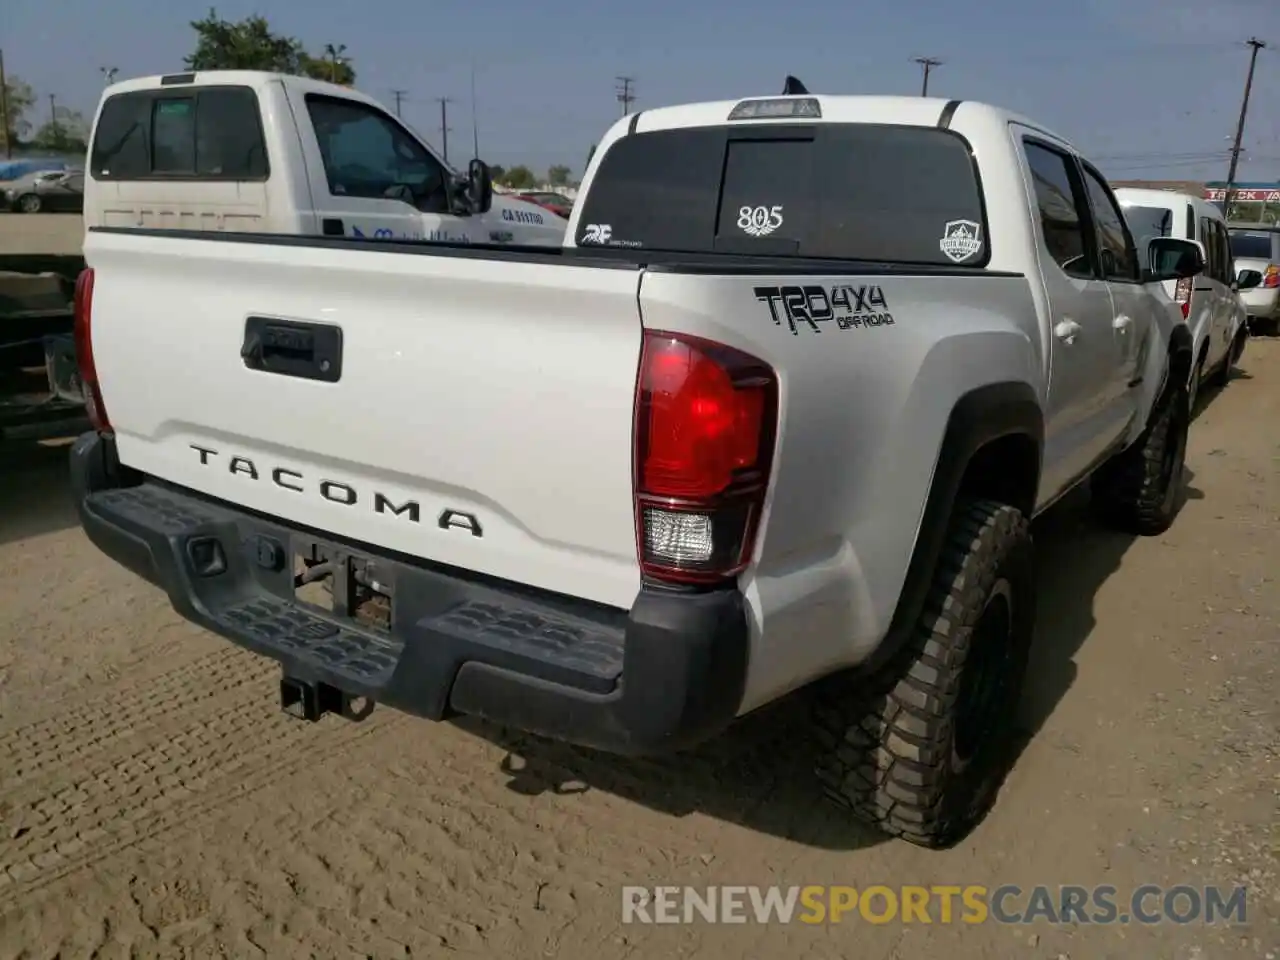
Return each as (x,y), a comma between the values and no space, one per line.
(876,192)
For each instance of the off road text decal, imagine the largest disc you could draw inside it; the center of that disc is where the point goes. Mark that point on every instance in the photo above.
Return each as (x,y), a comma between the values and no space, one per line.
(850,307)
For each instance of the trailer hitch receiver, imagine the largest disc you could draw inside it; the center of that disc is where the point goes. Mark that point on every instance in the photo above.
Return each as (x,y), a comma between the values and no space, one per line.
(307,700)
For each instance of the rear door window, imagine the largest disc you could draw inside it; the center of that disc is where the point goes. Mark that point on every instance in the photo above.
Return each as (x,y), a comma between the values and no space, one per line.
(1062,206)
(1116,250)
(200,133)
(842,191)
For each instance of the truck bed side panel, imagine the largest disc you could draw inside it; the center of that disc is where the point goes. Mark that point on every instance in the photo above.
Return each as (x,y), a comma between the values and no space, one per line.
(500,391)
(863,411)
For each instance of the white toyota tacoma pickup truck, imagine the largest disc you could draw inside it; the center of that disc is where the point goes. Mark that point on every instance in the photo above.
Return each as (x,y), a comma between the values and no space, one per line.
(779,413)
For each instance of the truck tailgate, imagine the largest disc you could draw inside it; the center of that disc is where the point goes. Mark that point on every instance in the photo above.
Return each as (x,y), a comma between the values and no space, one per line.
(481,416)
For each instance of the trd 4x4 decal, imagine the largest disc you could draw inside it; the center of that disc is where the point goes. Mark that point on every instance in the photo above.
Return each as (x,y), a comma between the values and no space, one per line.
(848,306)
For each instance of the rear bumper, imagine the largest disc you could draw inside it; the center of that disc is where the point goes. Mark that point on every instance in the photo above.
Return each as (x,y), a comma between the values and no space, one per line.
(661,677)
(1261,304)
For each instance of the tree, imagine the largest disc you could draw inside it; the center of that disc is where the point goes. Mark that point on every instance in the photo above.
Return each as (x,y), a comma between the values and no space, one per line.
(498,172)
(335,69)
(558,176)
(68,133)
(249,44)
(21,99)
(521,178)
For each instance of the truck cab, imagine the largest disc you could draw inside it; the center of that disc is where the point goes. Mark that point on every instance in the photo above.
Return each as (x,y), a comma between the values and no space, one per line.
(253,152)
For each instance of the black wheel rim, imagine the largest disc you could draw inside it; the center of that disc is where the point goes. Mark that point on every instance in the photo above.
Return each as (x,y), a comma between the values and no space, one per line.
(984,684)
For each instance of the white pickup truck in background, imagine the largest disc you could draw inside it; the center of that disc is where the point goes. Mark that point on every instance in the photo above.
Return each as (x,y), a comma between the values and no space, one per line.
(246,151)
(780,412)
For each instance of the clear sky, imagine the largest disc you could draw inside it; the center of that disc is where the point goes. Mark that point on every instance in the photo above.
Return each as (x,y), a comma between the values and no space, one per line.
(1148,88)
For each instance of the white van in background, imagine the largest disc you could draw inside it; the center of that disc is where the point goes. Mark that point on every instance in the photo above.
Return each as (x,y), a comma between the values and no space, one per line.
(1209,302)
(254,152)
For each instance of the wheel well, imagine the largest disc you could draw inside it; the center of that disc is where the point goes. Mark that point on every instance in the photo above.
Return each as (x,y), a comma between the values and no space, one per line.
(1006,469)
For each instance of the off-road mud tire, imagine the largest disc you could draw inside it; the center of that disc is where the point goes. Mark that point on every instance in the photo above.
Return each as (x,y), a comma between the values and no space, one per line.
(1138,490)
(889,750)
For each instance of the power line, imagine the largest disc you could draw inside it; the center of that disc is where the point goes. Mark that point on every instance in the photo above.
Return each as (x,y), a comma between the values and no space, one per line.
(399,95)
(1257,45)
(444,126)
(625,96)
(928,63)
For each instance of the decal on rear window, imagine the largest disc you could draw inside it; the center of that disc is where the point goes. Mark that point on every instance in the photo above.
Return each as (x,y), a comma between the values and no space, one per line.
(961,239)
(759,221)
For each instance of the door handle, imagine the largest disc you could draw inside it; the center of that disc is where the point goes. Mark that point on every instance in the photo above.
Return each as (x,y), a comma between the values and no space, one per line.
(1123,324)
(1066,331)
(311,351)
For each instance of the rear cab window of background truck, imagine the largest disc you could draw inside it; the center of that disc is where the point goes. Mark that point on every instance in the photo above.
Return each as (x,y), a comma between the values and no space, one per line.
(845,191)
(201,133)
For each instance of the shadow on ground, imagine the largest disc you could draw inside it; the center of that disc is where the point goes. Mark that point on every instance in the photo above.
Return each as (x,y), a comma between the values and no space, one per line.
(35,490)
(759,774)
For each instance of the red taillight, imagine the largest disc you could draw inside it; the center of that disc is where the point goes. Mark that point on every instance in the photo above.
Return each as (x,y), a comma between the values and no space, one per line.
(1182,296)
(704,431)
(1272,277)
(83,336)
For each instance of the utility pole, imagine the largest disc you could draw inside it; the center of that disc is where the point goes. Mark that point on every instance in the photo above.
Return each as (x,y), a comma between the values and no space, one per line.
(53,111)
(1257,45)
(928,63)
(444,126)
(4,111)
(625,96)
(475,125)
(399,95)
(109,75)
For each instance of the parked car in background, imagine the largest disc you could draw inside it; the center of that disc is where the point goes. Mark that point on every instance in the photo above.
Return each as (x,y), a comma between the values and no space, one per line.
(16,169)
(1209,302)
(557,203)
(49,191)
(1257,247)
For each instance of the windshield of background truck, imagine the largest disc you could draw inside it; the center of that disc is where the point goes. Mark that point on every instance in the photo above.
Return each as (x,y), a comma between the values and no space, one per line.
(847,191)
(1147,223)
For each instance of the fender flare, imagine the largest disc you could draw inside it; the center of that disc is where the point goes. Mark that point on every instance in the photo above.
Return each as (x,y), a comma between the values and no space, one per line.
(987,413)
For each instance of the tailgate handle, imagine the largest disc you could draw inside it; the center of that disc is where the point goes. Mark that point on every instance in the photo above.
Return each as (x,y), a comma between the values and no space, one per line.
(309,351)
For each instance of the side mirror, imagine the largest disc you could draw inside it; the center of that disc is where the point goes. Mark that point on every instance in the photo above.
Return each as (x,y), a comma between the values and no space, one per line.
(1248,279)
(1169,258)
(479,186)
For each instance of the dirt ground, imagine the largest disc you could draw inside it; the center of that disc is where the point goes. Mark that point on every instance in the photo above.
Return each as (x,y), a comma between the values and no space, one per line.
(155,802)
(41,233)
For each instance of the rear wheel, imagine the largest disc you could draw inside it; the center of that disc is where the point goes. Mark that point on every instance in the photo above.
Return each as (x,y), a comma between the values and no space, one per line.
(1137,489)
(920,749)
(30,203)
